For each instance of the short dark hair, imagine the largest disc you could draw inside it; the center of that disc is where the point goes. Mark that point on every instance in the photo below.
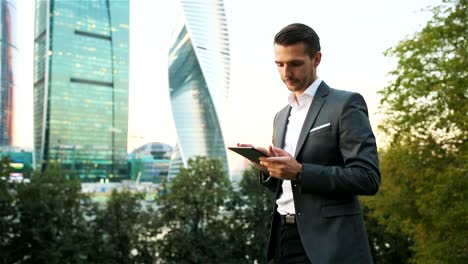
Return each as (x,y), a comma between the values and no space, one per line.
(296,33)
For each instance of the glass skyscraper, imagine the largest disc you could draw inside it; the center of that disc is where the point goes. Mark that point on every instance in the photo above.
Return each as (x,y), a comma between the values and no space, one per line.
(81,86)
(8,57)
(199,81)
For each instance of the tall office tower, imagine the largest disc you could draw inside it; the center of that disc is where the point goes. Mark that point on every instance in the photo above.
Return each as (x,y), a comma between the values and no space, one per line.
(81,87)
(8,57)
(199,81)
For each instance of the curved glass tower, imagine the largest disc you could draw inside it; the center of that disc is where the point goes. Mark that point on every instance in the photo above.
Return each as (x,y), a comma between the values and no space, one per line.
(81,87)
(8,56)
(199,81)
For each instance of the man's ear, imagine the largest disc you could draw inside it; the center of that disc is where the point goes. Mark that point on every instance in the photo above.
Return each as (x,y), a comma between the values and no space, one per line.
(317,58)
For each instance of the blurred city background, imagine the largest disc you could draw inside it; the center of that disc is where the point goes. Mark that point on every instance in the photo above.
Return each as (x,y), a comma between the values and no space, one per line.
(122,100)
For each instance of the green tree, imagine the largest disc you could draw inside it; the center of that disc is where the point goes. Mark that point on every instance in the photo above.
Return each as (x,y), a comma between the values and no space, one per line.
(51,224)
(50,220)
(8,213)
(387,247)
(425,187)
(426,104)
(252,217)
(124,231)
(5,168)
(193,209)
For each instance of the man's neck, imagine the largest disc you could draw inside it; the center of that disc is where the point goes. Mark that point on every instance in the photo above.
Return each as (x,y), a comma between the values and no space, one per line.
(299,93)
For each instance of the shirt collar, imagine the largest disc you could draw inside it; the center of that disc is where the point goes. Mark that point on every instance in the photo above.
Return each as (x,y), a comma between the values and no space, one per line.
(308,93)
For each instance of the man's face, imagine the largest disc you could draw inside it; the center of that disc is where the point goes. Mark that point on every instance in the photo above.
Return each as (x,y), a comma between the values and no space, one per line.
(297,70)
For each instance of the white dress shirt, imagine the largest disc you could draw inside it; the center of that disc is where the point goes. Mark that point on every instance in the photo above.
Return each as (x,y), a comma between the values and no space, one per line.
(299,108)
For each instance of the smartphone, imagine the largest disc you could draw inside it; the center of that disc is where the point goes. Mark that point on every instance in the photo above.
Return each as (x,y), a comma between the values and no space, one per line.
(249,153)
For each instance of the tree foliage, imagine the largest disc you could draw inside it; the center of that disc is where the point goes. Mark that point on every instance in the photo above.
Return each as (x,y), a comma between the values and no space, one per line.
(252,217)
(195,216)
(50,220)
(8,212)
(424,192)
(426,104)
(387,246)
(50,226)
(124,231)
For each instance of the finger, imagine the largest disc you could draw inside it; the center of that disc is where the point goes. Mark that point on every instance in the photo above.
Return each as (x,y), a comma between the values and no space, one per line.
(275,160)
(275,173)
(279,151)
(272,152)
(264,150)
(272,171)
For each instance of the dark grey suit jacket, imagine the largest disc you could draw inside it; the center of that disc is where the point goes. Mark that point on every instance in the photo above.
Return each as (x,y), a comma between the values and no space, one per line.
(338,151)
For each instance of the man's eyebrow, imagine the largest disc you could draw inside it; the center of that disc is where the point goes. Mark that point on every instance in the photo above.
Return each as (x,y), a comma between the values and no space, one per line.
(291,61)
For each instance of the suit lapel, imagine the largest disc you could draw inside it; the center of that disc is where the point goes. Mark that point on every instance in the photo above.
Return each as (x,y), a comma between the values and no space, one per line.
(280,126)
(317,103)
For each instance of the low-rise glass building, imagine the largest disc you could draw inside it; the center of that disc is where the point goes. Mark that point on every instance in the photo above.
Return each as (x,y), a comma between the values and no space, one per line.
(21,161)
(150,162)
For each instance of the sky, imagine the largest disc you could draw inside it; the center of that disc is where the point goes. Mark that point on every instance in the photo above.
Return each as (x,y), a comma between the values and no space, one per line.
(353,35)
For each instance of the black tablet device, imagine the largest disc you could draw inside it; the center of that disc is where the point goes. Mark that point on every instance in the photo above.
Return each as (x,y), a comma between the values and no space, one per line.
(249,153)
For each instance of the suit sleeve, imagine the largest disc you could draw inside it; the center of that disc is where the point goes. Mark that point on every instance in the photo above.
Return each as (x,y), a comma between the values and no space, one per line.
(270,182)
(360,174)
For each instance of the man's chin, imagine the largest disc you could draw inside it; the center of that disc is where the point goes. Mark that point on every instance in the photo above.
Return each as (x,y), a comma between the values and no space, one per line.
(293,88)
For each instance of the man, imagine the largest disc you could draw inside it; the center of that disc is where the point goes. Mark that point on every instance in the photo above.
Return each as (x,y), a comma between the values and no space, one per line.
(324,155)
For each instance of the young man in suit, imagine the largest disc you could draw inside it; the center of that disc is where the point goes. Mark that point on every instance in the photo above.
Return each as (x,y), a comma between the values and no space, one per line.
(323,155)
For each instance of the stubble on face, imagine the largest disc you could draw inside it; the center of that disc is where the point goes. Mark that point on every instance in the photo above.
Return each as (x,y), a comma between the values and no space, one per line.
(293,84)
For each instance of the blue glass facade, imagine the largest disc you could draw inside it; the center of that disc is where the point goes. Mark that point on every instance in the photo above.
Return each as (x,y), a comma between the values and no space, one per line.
(8,57)
(199,81)
(81,86)
(150,162)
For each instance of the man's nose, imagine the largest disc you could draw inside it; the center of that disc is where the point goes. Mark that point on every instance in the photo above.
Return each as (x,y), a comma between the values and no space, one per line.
(287,71)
